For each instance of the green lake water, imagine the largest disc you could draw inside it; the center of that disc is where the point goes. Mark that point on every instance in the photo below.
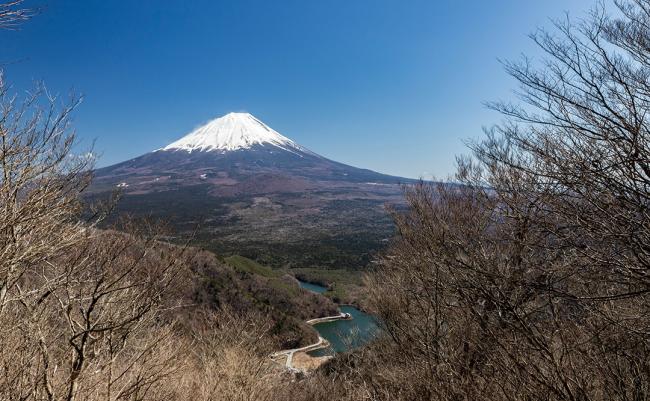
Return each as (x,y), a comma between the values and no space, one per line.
(344,335)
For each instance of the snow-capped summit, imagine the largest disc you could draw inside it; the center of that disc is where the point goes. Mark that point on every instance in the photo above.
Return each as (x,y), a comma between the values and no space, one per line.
(233,131)
(256,191)
(237,154)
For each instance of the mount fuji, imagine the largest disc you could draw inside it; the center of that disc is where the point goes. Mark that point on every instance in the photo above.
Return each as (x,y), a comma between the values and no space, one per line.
(242,187)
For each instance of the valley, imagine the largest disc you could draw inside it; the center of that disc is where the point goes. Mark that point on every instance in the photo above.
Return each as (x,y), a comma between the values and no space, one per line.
(275,216)
(142,259)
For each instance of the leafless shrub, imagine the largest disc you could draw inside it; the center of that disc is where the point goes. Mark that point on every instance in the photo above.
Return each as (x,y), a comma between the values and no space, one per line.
(81,310)
(530,280)
(90,324)
(39,184)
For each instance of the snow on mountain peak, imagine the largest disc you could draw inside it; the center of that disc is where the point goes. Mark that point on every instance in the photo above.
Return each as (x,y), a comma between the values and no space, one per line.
(232,132)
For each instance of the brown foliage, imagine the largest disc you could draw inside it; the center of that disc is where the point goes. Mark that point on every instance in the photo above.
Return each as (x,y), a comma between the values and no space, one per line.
(527,280)
(530,279)
(80,310)
(88,314)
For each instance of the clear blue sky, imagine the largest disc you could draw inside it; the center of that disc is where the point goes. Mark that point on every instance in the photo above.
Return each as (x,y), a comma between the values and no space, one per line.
(390,85)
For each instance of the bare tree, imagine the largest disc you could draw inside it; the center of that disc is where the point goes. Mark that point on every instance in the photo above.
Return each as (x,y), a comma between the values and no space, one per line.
(40,183)
(530,279)
(81,309)
(12,14)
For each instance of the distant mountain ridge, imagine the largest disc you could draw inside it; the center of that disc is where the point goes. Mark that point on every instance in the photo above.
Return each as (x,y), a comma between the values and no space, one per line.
(258,193)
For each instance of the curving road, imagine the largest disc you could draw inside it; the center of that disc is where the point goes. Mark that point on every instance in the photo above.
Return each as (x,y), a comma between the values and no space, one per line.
(322,343)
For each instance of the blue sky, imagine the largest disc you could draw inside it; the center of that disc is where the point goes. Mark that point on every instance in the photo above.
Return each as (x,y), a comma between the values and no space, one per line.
(390,85)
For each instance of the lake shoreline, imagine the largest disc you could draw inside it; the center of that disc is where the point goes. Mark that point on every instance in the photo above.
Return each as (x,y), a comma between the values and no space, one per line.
(336,334)
(305,361)
(347,334)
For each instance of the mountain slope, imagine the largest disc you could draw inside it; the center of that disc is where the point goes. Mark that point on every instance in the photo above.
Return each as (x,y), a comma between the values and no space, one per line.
(255,192)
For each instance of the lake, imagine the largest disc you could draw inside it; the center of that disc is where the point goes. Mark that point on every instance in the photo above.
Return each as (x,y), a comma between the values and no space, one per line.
(343,335)
(313,287)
